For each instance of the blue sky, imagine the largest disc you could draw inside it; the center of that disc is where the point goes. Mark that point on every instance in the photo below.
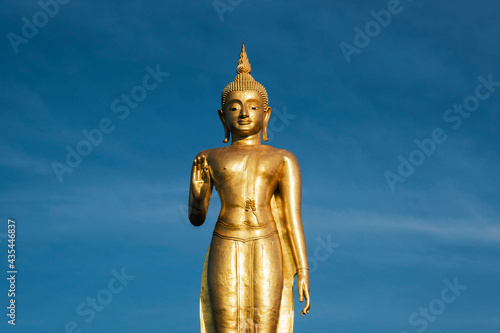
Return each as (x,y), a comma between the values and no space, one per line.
(350,120)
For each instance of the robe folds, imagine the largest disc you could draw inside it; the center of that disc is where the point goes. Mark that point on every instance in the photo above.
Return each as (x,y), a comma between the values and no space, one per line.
(249,293)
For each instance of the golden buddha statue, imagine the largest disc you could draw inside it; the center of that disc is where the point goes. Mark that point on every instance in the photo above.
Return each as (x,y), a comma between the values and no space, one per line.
(258,244)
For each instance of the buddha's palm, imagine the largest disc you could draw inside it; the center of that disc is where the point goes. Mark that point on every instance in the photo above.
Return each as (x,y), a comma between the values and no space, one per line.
(200,182)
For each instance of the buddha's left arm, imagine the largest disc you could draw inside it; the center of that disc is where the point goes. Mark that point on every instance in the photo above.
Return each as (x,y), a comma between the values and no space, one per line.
(290,188)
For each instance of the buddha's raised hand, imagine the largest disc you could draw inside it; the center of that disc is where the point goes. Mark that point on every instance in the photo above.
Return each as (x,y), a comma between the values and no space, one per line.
(200,179)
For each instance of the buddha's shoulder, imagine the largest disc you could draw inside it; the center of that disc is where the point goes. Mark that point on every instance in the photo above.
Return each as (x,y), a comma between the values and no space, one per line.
(210,152)
(282,152)
(283,156)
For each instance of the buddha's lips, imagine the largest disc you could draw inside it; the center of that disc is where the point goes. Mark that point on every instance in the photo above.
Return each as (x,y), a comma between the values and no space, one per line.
(244,122)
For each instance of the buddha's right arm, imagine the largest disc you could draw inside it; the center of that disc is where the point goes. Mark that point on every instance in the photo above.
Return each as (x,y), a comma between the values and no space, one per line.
(198,209)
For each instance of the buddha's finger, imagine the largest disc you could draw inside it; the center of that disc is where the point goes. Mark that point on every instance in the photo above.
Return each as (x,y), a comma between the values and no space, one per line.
(308,300)
(307,307)
(195,169)
(199,168)
(206,173)
(205,163)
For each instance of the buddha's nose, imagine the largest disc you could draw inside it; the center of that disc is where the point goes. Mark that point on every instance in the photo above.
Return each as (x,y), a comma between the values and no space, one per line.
(244,112)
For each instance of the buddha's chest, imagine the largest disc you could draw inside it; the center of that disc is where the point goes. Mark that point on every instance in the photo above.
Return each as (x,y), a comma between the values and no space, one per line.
(245,167)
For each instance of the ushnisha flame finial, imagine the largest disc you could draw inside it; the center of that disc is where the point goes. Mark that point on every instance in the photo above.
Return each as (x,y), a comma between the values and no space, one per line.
(243,64)
(244,81)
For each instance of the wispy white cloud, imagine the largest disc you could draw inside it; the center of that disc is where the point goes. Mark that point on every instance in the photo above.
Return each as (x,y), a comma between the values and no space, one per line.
(477,228)
(20,160)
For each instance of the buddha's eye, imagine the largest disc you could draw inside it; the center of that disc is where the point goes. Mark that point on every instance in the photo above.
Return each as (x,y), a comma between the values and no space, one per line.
(254,107)
(233,108)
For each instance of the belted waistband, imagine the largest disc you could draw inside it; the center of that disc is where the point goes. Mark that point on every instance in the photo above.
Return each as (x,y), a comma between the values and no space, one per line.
(245,232)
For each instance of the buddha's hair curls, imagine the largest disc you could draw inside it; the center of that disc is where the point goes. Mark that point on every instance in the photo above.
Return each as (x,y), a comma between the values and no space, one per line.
(244,81)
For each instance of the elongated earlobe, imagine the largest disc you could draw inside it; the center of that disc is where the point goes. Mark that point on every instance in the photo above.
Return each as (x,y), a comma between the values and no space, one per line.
(222,117)
(266,121)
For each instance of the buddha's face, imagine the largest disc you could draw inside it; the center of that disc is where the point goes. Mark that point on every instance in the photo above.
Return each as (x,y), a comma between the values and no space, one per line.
(244,113)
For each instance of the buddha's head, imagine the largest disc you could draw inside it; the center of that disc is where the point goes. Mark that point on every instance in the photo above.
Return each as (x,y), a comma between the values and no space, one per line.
(245,109)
